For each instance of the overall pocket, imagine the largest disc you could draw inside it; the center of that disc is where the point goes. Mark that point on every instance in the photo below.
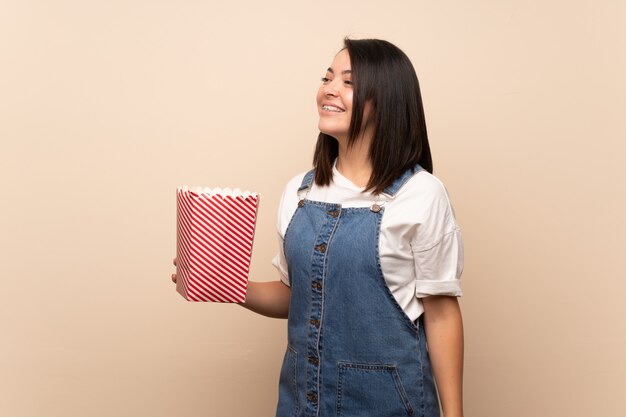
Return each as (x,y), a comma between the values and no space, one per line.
(370,390)
(287,390)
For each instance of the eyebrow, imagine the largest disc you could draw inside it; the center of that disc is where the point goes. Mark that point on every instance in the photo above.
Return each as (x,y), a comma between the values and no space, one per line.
(343,72)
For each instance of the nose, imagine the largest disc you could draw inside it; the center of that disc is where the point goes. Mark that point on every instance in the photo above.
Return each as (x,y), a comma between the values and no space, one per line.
(330,92)
(330,89)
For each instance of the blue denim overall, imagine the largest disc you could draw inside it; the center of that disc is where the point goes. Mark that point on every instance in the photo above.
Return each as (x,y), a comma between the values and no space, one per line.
(352,351)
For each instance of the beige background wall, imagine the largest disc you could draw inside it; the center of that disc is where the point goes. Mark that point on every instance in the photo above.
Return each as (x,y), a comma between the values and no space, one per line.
(107,106)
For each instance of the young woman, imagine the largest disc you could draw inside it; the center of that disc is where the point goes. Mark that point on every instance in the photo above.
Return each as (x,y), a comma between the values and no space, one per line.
(370,255)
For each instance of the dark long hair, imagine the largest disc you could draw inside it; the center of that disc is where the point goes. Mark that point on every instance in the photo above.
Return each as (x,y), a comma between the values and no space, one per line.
(383,75)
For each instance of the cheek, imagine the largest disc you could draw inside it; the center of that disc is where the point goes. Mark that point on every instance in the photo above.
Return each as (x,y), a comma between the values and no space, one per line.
(320,95)
(347,102)
(348,97)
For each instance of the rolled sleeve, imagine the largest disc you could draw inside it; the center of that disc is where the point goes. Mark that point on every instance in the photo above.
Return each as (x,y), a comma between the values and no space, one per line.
(439,267)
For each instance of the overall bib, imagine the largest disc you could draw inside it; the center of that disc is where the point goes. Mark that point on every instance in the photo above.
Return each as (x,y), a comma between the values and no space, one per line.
(352,351)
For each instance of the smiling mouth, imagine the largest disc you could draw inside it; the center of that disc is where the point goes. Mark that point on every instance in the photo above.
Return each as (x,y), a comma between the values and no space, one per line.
(333,109)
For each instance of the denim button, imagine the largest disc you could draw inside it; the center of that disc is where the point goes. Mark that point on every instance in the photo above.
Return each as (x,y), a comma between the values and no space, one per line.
(375,208)
(317,286)
(314,360)
(315,322)
(301,203)
(334,213)
(321,248)
(311,396)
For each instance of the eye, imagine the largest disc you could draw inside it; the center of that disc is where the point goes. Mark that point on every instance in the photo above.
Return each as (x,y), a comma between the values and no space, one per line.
(347,82)
(325,80)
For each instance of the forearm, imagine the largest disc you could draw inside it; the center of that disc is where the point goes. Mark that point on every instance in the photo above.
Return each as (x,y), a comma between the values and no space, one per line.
(269,299)
(444,335)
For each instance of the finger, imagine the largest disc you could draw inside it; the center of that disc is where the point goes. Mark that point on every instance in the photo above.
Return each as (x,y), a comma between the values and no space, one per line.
(174,278)
(174,261)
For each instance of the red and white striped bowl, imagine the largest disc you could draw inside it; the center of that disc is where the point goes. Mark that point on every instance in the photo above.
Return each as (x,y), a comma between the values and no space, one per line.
(215,231)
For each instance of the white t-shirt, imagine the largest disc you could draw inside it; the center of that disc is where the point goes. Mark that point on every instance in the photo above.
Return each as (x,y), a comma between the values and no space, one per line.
(420,245)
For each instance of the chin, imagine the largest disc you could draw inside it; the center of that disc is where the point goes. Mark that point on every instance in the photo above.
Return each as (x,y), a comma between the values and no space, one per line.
(335,133)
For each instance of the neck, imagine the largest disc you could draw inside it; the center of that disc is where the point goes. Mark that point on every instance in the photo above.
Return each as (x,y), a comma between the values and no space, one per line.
(354,162)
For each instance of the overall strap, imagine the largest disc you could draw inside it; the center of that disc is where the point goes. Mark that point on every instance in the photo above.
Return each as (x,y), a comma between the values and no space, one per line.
(307,180)
(401,180)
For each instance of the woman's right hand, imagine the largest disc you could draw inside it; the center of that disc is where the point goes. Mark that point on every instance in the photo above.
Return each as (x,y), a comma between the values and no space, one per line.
(174,275)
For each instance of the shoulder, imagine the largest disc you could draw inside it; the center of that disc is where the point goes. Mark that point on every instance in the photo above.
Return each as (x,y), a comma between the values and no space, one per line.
(423,207)
(426,189)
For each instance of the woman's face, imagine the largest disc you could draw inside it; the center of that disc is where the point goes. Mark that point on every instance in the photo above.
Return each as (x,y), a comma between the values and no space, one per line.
(334,98)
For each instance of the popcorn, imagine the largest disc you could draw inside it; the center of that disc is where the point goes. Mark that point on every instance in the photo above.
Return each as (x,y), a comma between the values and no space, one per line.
(215,232)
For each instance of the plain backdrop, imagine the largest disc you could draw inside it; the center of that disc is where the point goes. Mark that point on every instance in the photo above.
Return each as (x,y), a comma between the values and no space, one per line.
(107,106)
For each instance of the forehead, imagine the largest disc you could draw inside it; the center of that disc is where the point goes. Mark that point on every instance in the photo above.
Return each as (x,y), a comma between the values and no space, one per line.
(341,61)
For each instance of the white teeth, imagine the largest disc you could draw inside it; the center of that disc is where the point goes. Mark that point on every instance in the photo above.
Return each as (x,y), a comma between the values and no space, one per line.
(332,108)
